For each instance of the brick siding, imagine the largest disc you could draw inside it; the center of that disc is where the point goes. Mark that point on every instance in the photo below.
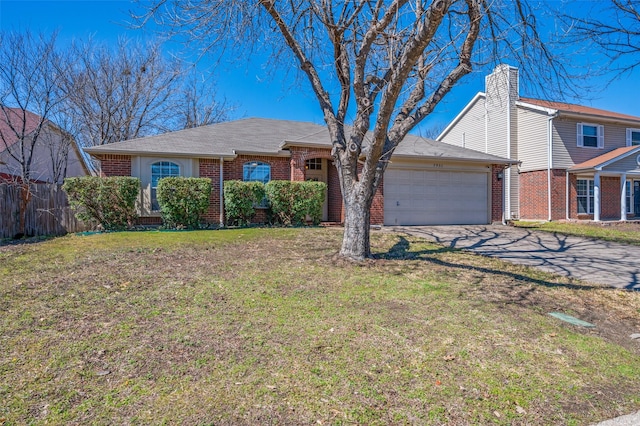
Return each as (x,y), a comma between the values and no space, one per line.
(115,165)
(496,193)
(534,200)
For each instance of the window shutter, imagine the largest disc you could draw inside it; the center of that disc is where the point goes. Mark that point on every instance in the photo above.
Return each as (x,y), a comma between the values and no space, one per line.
(629,137)
(600,136)
(580,139)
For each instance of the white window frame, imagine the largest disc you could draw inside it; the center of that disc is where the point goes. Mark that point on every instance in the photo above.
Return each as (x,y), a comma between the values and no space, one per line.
(630,133)
(154,189)
(599,135)
(589,196)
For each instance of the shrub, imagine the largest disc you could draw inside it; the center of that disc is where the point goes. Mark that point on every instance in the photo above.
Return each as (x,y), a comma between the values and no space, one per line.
(109,201)
(183,200)
(240,200)
(292,202)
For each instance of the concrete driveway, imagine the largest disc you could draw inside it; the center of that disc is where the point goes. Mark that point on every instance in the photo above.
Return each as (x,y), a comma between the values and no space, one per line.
(595,261)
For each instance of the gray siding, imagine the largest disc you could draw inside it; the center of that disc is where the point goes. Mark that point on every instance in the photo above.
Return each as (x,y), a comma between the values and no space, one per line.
(625,165)
(532,140)
(469,131)
(566,153)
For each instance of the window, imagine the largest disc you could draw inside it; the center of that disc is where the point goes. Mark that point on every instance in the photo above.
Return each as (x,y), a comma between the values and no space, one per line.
(590,135)
(585,196)
(161,170)
(256,171)
(633,137)
(313,164)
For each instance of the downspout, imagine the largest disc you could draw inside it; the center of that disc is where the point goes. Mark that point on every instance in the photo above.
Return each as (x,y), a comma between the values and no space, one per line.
(549,161)
(222,192)
(508,172)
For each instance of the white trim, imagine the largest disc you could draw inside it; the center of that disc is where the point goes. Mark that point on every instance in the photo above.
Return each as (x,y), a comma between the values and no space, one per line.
(596,197)
(460,115)
(222,191)
(623,197)
(549,111)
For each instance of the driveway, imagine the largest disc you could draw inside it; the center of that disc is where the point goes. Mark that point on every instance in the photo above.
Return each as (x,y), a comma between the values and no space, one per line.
(595,261)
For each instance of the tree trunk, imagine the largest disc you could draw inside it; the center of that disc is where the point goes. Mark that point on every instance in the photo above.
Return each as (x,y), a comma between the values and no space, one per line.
(25,198)
(357,217)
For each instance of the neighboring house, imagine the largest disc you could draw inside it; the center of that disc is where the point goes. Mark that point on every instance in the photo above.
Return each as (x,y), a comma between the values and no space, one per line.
(576,162)
(55,154)
(425,183)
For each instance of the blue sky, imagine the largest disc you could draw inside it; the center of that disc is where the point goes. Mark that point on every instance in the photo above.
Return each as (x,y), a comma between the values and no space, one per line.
(245,83)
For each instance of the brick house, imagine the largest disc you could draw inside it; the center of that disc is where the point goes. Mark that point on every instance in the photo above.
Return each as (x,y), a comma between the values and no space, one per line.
(575,162)
(426,182)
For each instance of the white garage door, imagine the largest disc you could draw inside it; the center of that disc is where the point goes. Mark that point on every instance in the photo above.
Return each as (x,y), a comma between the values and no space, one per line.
(426,197)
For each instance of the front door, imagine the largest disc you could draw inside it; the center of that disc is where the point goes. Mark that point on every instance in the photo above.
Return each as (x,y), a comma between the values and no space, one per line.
(636,197)
(316,170)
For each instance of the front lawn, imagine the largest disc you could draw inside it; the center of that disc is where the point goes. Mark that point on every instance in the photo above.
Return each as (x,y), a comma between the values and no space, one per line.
(266,326)
(619,232)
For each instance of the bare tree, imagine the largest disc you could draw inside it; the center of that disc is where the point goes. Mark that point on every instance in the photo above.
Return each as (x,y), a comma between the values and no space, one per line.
(122,93)
(382,65)
(199,104)
(613,26)
(135,90)
(30,95)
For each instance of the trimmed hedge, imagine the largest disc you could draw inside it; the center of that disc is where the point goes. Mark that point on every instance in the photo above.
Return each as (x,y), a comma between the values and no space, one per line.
(240,199)
(109,201)
(183,201)
(292,202)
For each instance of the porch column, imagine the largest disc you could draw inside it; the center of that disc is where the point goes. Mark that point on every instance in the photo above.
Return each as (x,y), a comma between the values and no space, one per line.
(623,196)
(221,192)
(596,197)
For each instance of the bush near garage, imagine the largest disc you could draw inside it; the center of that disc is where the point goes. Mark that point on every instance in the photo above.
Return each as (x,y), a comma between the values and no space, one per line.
(293,203)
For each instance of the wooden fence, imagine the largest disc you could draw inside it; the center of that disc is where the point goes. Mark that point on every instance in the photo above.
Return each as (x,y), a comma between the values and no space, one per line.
(48,212)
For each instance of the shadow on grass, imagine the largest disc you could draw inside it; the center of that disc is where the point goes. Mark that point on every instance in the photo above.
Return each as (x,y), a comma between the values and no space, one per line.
(402,251)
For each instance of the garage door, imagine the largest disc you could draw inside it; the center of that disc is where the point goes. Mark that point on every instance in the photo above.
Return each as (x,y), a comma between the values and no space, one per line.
(430,197)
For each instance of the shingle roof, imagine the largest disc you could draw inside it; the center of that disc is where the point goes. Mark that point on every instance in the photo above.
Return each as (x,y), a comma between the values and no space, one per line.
(601,160)
(578,109)
(269,137)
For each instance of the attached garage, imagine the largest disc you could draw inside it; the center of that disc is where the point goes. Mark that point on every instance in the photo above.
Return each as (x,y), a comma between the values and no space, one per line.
(414,196)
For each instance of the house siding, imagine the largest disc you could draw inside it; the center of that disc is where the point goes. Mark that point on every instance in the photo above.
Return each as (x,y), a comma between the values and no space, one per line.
(470,130)
(282,168)
(532,140)
(115,165)
(534,205)
(625,165)
(566,153)
(496,194)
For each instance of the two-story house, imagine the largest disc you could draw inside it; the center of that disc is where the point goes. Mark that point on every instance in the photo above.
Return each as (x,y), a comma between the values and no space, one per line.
(575,162)
(49,158)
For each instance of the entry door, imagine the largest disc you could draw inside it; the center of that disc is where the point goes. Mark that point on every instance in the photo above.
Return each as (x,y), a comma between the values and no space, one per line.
(316,170)
(636,197)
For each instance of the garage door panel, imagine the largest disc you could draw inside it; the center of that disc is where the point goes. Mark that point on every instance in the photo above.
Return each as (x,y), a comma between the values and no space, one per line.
(425,197)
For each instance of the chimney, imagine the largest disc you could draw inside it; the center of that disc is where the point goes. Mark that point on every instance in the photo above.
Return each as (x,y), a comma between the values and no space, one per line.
(501,87)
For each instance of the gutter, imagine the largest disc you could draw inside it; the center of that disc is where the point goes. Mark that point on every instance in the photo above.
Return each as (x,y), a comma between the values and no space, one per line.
(222,192)
(549,161)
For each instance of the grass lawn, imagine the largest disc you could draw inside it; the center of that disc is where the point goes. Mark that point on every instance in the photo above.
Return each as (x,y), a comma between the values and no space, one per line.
(621,232)
(267,326)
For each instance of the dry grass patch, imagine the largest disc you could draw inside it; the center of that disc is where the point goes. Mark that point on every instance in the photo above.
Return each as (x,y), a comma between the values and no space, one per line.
(260,326)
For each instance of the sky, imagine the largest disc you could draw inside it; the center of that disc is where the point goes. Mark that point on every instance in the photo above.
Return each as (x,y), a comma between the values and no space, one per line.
(246,84)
